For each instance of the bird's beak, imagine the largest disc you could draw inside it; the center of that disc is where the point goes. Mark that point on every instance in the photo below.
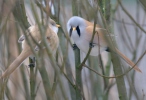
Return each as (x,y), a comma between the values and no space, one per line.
(74,28)
(57,25)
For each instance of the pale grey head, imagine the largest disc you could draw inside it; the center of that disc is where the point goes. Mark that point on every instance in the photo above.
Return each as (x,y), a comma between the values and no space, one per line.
(76,23)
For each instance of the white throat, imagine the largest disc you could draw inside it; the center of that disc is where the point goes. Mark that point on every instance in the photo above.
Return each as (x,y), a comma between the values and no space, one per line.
(54,28)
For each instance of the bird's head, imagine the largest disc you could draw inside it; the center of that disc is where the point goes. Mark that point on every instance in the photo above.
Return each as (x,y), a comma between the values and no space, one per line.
(53,25)
(75,25)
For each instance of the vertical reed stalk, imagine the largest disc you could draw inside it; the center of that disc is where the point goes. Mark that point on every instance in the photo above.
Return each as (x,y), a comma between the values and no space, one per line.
(77,58)
(116,63)
(32,78)
(20,15)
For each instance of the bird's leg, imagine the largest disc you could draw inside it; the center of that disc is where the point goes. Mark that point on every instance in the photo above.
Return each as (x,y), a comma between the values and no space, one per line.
(74,46)
(91,44)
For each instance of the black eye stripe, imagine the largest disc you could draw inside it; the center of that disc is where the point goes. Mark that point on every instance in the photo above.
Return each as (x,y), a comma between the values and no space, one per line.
(78,30)
(70,31)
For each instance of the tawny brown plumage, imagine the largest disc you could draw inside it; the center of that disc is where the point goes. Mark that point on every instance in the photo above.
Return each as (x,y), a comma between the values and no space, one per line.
(81,32)
(33,31)
(128,61)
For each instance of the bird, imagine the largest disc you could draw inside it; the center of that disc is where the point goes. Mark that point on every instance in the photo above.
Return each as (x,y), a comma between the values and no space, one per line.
(33,32)
(81,31)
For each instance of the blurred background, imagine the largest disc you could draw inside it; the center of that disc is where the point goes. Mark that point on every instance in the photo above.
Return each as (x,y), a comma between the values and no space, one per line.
(128,31)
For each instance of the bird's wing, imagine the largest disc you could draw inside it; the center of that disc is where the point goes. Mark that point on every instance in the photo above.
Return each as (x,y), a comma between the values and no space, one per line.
(52,39)
(99,37)
(31,29)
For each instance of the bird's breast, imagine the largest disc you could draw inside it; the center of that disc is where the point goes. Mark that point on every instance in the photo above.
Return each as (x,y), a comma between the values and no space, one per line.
(84,44)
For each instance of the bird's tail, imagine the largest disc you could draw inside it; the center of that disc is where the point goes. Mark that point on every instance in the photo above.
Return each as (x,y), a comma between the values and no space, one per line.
(16,63)
(128,61)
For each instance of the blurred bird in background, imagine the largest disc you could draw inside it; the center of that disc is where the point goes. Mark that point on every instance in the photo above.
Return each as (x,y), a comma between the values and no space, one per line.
(34,35)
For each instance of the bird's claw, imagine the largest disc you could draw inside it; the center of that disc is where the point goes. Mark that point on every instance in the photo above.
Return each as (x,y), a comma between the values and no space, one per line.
(31,65)
(74,46)
(91,44)
(107,49)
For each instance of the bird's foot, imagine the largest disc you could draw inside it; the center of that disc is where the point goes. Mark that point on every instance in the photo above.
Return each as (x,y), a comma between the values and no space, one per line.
(31,65)
(107,49)
(92,44)
(74,46)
